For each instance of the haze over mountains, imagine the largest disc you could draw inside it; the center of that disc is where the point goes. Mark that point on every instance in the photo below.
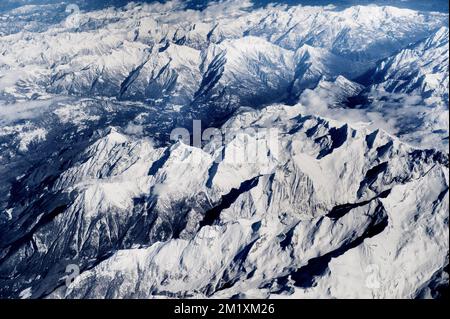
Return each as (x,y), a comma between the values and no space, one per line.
(354,190)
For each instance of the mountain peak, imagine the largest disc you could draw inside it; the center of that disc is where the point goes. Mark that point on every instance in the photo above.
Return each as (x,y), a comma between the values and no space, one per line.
(317,163)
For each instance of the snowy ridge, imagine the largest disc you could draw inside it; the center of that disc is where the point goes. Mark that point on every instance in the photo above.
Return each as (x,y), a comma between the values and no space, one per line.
(259,215)
(327,176)
(99,59)
(421,68)
(261,238)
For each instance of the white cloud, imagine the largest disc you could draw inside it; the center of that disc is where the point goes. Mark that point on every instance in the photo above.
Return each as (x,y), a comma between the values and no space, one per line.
(406,116)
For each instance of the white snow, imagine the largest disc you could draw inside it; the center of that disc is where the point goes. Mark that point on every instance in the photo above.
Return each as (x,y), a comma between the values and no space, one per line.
(181,221)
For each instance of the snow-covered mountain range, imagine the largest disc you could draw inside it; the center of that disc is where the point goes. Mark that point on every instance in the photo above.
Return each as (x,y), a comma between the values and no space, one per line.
(349,199)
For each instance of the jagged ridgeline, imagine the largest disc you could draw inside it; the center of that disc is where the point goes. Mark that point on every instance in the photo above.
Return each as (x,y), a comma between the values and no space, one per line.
(349,199)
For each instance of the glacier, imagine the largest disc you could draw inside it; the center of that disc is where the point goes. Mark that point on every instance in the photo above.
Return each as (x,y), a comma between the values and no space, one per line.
(348,199)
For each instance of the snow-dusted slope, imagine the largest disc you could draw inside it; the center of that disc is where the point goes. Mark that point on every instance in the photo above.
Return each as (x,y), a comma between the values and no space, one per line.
(311,187)
(334,93)
(152,45)
(263,239)
(255,220)
(420,68)
(410,90)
